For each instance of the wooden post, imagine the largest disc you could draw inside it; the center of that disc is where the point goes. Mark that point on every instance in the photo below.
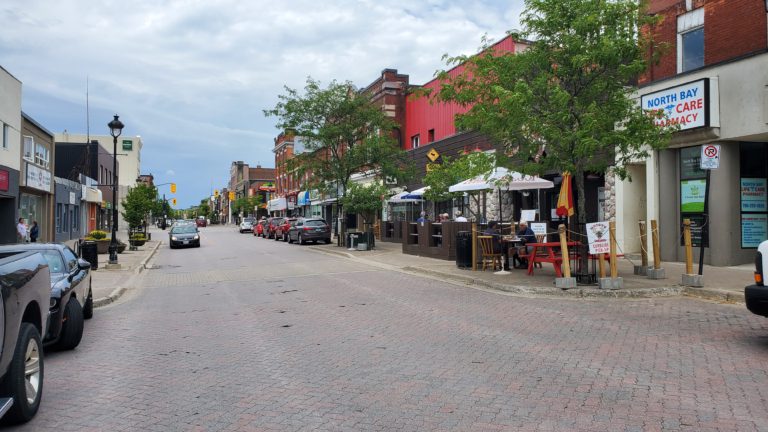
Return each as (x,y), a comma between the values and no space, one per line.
(688,246)
(601,264)
(474,247)
(612,231)
(564,251)
(655,239)
(643,244)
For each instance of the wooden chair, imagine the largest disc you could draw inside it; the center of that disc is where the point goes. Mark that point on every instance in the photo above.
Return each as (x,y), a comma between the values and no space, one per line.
(489,257)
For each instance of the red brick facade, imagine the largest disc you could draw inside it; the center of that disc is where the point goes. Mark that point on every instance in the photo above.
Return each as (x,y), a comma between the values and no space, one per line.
(732,29)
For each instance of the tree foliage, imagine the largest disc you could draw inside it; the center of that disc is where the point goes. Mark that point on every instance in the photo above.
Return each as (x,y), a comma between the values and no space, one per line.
(566,103)
(365,200)
(138,203)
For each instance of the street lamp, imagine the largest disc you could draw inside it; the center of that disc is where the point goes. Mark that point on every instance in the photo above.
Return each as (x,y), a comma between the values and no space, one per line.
(115,128)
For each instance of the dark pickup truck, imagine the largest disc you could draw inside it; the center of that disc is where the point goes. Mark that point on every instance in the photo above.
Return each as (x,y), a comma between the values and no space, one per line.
(25,292)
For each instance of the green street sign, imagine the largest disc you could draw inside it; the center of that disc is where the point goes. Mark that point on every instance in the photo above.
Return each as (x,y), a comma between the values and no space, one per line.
(127,144)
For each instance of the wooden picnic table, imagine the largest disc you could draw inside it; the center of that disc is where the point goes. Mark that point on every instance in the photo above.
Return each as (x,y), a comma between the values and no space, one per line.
(552,255)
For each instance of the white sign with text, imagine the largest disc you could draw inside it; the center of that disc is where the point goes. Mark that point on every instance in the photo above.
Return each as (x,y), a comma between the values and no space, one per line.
(598,237)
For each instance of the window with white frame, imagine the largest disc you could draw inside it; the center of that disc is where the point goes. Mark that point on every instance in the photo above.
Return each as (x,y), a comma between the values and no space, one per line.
(29,148)
(415,141)
(690,40)
(42,155)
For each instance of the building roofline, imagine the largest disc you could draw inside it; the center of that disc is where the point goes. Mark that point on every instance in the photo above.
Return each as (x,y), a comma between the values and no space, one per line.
(34,122)
(10,74)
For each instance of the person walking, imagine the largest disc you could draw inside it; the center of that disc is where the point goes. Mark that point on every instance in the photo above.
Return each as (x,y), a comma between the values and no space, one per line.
(34,232)
(21,231)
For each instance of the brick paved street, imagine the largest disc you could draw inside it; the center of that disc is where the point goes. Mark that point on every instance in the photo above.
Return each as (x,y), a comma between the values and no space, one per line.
(251,334)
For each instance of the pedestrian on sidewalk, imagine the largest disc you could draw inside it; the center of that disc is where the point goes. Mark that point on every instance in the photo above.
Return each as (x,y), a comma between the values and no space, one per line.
(34,232)
(21,231)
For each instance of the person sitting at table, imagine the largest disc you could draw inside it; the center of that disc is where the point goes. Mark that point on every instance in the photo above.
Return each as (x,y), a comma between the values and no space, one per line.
(422,218)
(460,217)
(526,235)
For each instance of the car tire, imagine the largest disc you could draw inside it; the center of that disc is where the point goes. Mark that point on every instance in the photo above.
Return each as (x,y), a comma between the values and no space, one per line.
(328,241)
(88,308)
(28,354)
(72,327)
(301,240)
(290,240)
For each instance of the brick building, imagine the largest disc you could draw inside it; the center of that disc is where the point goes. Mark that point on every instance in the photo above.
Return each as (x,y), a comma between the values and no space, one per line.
(713,82)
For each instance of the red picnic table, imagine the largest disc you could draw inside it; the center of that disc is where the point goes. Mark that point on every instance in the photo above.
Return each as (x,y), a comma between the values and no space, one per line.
(552,255)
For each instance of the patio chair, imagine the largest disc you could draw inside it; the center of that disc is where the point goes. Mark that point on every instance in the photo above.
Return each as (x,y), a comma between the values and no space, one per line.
(490,258)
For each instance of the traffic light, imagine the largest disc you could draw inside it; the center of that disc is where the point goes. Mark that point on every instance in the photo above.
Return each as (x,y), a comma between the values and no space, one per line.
(173,201)
(231,195)
(216,193)
(173,188)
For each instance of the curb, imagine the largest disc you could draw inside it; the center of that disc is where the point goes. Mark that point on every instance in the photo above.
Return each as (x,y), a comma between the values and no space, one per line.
(710,294)
(119,291)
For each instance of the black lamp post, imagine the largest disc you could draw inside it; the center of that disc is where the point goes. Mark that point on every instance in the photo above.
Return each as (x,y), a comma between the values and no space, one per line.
(115,128)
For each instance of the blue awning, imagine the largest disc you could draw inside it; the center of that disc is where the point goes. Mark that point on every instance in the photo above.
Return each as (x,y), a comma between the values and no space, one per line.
(303,198)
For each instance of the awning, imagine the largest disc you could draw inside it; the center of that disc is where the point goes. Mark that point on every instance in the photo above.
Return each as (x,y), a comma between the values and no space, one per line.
(402,197)
(91,194)
(277,204)
(303,198)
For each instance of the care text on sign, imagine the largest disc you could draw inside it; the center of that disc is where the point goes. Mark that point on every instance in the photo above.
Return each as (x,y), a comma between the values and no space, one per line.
(685,106)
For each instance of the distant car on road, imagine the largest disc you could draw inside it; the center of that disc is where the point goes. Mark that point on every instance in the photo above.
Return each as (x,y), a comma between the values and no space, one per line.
(272,226)
(260,227)
(201,221)
(756,296)
(309,229)
(71,295)
(184,235)
(246,225)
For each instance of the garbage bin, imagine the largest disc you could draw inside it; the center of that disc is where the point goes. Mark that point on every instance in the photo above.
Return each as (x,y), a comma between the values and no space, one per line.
(89,251)
(464,249)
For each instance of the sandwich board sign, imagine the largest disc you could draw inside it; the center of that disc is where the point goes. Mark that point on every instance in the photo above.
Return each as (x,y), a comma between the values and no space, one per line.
(598,238)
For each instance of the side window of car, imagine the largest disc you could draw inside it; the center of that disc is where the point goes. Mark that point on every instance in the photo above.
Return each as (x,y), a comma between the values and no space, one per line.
(70,258)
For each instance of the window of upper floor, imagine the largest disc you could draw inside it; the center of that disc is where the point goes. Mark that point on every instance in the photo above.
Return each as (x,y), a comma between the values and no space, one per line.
(690,40)
(415,141)
(431,135)
(37,152)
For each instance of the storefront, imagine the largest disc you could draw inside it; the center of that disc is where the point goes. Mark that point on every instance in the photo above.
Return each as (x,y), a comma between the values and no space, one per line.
(68,217)
(721,109)
(9,191)
(35,199)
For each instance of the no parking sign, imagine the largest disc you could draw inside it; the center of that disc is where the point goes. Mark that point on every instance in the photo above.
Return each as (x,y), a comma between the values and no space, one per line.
(710,156)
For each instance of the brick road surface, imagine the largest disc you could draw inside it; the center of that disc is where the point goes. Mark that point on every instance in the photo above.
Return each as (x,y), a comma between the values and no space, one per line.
(251,334)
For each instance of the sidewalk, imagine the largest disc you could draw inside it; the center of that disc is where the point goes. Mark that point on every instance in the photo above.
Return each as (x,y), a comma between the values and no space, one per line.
(109,284)
(723,284)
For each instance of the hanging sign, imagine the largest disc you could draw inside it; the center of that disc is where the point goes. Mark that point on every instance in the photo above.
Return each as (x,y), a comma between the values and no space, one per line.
(598,237)
(710,156)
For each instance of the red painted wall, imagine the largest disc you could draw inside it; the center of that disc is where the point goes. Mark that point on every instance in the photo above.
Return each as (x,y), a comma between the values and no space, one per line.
(421,114)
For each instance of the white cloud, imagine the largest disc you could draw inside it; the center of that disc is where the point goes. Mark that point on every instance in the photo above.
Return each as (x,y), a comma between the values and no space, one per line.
(193,77)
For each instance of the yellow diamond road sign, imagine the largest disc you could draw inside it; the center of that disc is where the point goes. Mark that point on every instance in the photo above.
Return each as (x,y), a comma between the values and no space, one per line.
(433,155)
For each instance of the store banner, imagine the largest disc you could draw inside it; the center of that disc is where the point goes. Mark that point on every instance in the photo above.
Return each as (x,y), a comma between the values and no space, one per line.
(38,178)
(686,106)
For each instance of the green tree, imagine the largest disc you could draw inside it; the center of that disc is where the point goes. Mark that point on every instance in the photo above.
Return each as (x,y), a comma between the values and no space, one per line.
(452,171)
(343,133)
(138,203)
(566,103)
(365,200)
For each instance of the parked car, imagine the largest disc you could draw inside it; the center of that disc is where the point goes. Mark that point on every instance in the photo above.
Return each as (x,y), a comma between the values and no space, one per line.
(71,297)
(184,235)
(309,229)
(281,230)
(260,228)
(247,225)
(201,221)
(756,296)
(23,301)
(272,226)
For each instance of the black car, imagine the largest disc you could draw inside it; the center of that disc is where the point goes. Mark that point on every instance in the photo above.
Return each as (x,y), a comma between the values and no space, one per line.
(184,235)
(71,295)
(309,229)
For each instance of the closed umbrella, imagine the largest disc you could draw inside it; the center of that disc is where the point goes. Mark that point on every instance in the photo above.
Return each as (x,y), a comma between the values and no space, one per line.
(565,200)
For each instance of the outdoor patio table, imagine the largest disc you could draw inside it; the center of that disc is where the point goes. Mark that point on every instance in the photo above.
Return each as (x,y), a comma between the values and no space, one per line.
(510,244)
(552,255)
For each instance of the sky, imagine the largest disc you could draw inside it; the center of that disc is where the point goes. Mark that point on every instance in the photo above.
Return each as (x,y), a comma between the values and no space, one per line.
(192,77)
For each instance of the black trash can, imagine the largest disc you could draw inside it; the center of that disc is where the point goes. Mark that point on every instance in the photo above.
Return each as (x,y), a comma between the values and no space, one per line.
(464,249)
(89,251)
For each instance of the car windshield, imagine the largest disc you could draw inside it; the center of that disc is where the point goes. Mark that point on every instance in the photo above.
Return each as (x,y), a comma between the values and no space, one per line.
(317,223)
(184,229)
(55,263)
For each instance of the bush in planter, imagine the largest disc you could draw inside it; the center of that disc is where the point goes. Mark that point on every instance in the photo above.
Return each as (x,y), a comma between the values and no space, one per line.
(96,235)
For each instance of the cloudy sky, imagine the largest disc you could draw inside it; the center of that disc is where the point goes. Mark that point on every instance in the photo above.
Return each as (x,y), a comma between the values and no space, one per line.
(191,77)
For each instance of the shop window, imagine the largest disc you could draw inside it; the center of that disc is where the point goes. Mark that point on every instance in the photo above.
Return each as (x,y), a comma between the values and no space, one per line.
(76,219)
(58,217)
(753,185)
(690,40)
(431,135)
(29,146)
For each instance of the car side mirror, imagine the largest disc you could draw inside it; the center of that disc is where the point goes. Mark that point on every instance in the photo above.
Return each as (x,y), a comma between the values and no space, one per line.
(83,264)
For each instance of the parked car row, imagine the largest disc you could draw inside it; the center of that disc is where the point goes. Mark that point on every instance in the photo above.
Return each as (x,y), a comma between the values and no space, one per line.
(299,230)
